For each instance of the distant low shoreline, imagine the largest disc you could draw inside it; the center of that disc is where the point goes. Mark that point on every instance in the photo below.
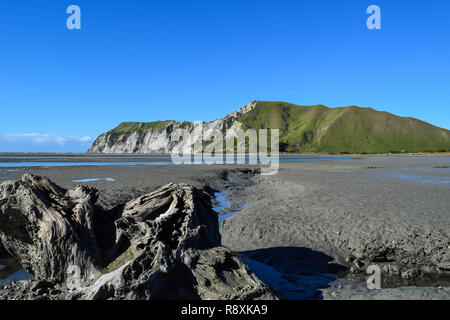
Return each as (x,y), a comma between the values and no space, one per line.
(65,154)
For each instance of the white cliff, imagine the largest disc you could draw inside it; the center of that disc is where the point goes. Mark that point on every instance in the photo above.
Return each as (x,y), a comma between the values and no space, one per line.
(166,138)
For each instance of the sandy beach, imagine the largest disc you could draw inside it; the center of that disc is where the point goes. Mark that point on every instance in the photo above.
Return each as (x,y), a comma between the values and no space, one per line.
(319,224)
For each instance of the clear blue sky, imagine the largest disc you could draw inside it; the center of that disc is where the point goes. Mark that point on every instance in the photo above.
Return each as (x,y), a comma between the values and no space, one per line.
(200,60)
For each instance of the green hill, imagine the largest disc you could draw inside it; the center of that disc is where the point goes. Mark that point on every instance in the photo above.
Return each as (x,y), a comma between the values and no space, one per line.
(302,129)
(347,129)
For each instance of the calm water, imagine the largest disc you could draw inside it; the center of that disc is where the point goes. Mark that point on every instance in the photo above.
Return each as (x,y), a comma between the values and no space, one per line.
(82,157)
(17,276)
(437,176)
(223,205)
(75,164)
(291,286)
(422,179)
(187,161)
(140,157)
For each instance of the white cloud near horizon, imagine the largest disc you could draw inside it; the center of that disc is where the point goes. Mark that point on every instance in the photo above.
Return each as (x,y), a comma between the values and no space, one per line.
(35,142)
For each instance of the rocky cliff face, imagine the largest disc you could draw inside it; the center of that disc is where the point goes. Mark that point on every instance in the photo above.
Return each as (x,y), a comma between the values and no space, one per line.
(163,245)
(164,139)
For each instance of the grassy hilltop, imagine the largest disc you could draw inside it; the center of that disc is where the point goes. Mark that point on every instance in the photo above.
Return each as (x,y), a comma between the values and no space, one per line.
(130,127)
(347,129)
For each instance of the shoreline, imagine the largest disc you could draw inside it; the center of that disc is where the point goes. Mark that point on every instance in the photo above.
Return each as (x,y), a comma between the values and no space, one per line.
(77,154)
(348,213)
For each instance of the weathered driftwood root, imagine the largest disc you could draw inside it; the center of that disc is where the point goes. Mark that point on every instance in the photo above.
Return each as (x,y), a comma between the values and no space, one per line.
(163,245)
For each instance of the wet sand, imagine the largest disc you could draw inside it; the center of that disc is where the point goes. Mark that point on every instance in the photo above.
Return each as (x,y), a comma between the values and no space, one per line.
(357,213)
(327,218)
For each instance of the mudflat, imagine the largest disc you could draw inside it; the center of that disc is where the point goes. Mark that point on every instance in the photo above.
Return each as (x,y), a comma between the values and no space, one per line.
(324,222)
(393,212)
